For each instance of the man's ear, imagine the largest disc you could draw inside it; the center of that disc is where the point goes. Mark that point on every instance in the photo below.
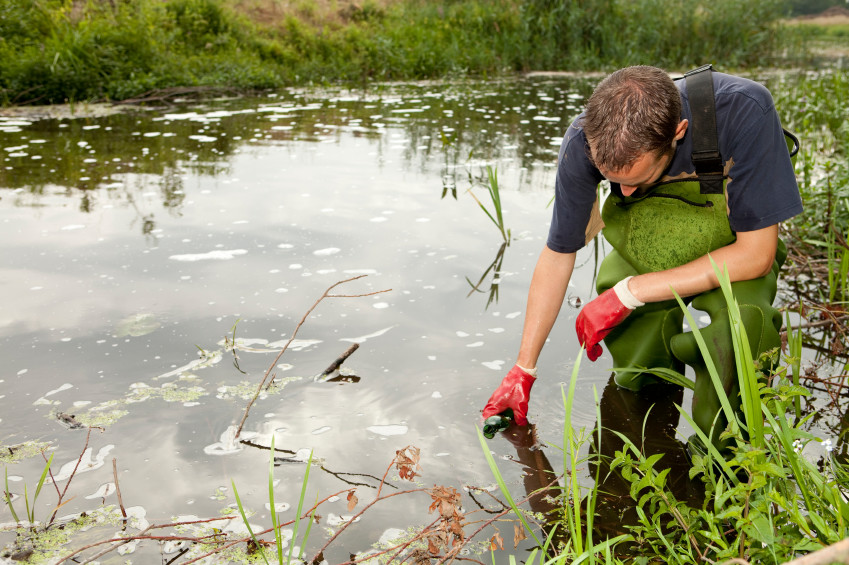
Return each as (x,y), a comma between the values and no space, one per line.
(681,129)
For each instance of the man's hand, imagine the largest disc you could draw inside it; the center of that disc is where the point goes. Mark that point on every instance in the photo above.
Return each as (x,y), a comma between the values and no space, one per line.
(601,315)
(513,392)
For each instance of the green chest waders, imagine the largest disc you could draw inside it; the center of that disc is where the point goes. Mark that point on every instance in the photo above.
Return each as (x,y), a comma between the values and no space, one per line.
(673,224)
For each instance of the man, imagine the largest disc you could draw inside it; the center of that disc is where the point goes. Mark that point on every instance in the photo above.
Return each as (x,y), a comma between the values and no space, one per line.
(679,196)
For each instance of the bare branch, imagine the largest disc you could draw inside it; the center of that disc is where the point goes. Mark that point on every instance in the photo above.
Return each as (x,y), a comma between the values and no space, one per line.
(324,295)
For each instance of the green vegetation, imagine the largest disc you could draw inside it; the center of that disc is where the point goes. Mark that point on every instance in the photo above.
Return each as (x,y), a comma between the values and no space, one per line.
(765,501)
(814,106)
(56,51)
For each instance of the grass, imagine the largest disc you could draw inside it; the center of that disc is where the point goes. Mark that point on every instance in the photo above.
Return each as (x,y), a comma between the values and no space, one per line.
(259,547)
(29,504)
(814,106)
(58,51)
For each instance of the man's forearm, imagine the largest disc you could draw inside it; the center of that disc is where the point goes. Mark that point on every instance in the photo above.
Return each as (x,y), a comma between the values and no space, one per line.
(750,257)
(545,297)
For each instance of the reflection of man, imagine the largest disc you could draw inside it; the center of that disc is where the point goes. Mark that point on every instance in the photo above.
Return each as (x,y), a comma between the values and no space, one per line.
(647,419)
(695,166)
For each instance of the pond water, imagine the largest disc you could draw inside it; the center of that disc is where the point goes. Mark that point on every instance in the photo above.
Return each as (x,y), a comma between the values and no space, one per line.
(138,246)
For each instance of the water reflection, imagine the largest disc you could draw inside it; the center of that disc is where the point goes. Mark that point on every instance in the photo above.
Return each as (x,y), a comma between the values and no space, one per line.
(648,419)
(155,262)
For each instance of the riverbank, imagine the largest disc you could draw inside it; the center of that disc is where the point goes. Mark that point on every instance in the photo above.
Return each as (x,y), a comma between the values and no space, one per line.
(56,51)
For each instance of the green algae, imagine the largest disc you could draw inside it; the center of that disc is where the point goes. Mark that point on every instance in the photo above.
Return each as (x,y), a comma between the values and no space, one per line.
(246,390)
(45,545)
(14,453)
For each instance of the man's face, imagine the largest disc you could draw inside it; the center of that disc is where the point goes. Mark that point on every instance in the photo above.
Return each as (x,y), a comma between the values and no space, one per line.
(645,171)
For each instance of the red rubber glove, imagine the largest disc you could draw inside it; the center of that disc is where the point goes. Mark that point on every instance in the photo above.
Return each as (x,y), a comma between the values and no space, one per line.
(513,392)
(601,315)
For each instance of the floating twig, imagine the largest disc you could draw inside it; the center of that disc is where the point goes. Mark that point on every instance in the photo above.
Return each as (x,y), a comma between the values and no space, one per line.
(324,295)
(118,490)
(341,359)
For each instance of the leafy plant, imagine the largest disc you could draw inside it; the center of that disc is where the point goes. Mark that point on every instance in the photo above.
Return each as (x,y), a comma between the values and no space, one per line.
(30,505)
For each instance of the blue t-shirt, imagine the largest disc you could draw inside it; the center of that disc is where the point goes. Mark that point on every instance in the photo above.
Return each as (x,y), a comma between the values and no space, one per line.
(762,189)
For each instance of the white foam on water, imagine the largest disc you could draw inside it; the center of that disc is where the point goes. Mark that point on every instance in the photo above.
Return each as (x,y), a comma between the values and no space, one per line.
(65,386)
(512,315)
(73,227)
(494,365)
(496,330)
(217,255)
(390,535)
(461,333)
(388,430)
(203,138)
(228,444)
(364,338)
(296,345)
(103,491)
(278,506)
(333,520)
(326,252)
(475,344)
(86,463)
(436,394)
(379,219)
(380,305)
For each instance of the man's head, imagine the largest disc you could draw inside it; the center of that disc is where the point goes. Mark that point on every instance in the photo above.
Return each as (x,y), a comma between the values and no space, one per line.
(632,121)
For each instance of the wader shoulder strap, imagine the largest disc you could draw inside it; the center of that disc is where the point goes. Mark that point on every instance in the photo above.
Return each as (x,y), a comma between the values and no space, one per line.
(706,156)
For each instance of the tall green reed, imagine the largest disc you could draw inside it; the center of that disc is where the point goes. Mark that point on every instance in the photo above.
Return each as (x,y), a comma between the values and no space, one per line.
(28,504)
(282,559)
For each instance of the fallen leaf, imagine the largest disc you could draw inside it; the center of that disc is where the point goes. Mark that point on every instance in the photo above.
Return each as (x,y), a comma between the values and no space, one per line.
(518,535)
(352,500)
(495,542)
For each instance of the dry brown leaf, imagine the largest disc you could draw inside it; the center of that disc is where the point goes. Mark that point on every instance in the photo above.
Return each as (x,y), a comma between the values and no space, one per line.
(496,542)
(518,535)
(352,500)
(407,462)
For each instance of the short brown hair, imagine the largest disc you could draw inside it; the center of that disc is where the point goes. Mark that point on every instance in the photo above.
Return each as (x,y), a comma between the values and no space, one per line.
(634,111)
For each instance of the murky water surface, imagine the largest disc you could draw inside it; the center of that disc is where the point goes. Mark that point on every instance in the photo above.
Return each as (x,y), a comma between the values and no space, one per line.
(138,248)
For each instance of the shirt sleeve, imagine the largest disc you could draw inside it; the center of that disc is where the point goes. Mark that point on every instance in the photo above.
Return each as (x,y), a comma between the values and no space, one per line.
(574,193)
(762,188)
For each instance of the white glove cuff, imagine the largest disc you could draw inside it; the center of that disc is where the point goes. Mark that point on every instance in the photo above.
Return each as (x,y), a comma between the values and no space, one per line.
(531,372)
(623,293)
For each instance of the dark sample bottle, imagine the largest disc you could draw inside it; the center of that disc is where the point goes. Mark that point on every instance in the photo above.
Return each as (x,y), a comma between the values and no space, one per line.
(497,423)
